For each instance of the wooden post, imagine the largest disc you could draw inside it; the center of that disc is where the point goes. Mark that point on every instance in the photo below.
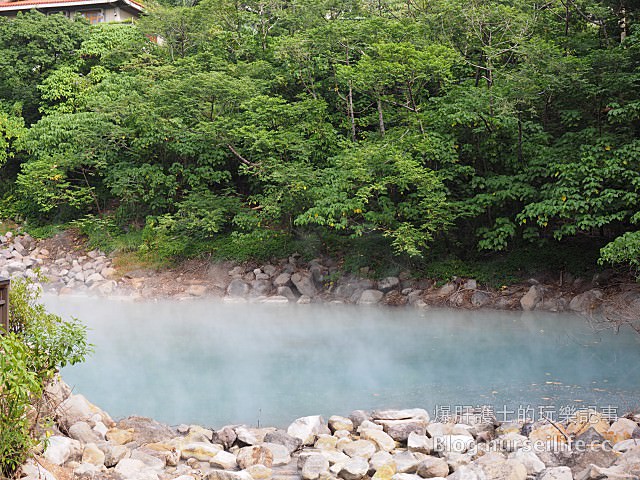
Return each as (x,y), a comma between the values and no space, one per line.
(4,303)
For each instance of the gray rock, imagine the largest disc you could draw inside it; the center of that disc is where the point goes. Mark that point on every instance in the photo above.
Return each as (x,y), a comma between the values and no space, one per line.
(586,302)
(261,287)
(357,417)
(282,280)
(389,283)
(82,432)
(238,288)
(480,298)
(276,300)
(146,430)
(419,443)
(531,299)
(304,300)
(287,293)
(400,430)
(304,283)
(406,414)
(281,437)
(226,436)
(370,297)
(115,453)
(590,437)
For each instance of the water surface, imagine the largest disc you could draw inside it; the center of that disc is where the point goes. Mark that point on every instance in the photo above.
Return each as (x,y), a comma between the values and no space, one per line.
(212,363)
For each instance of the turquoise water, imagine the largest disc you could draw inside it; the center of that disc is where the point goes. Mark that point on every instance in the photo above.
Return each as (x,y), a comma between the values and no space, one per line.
(214,364)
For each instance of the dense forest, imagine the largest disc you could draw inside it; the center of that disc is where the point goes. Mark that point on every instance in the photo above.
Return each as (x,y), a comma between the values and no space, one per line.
(417,129)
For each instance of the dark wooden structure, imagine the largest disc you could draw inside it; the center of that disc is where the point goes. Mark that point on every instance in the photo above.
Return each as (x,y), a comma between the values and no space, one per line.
(4,303)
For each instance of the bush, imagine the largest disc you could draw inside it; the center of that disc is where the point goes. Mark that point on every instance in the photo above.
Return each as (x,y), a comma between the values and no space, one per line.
(37,345)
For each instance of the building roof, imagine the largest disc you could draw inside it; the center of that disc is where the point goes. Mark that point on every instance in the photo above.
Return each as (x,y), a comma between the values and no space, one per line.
(37,4)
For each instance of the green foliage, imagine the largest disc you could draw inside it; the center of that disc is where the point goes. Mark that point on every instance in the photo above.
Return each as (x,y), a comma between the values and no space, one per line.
(490,126)
(37,345)
(623,250)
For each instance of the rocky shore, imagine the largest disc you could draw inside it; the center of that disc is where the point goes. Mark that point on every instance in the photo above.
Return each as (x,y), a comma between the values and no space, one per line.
(70,269)
(86,443)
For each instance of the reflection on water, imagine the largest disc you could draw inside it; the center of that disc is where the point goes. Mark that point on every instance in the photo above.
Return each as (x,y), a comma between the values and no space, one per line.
(212,363)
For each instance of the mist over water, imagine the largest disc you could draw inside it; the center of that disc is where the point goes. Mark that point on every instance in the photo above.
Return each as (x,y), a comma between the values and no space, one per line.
(212,363)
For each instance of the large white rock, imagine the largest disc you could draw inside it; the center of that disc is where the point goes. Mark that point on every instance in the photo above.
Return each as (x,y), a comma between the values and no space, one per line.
(308,428)
(556,473)
(280,453)
(315,466)
(354,469)
(224,460)
(381,439)
(203,452)
(62,449)
(530,461)
(360,448)
(227,475)
(35,471)
(414,413)
(131,469)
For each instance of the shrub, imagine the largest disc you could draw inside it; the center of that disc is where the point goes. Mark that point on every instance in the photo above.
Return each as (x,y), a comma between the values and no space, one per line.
(37,345)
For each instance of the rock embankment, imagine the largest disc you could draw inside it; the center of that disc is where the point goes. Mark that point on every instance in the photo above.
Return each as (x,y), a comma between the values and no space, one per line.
(292,280)
(86,443)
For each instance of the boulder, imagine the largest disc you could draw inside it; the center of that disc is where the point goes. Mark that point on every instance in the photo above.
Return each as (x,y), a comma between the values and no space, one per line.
(76,408)
(228,475)
(238,288)
(556,473)
(400,430)
(337,422)
(282,280)
(204,452)
(432,467)
(370,297)
(305,284)
(226,436)
(82,432)
(307,429)
(409,413)
(381,439)
(529,460)
(315,466)
(93,455)
(281,437)
(354,469)
(60,450)
(224,460)
(389,283)
(406,462)
(621,429)
(360,448)
(259,472)
(531,299)
(254,455)
(261,287)
(586,302)
(146,430)
(419,443)
(480,299)
(280,453)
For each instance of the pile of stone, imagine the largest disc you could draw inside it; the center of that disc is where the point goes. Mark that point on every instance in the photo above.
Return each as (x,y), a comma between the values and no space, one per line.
(20,256)
(380,445)
(292,280)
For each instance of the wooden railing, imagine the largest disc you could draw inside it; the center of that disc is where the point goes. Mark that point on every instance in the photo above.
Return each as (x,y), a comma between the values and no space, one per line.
(4,304)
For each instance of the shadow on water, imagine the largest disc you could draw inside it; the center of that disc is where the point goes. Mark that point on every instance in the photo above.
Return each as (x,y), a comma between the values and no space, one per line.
(213,363)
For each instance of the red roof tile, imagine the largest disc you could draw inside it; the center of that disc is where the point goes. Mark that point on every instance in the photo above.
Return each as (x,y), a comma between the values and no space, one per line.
(44,3)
